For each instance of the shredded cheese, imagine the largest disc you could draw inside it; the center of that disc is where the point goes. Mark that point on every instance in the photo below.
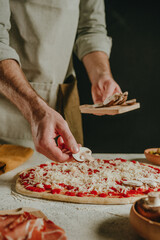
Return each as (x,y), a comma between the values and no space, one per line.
(99,175)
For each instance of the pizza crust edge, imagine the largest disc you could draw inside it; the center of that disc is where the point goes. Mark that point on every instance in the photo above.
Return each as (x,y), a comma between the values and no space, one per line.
(73,199)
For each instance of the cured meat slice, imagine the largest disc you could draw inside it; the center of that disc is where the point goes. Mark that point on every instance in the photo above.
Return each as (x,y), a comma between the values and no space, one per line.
(28,227)
(6,220)
(53,232)
(23,230)
(21,218)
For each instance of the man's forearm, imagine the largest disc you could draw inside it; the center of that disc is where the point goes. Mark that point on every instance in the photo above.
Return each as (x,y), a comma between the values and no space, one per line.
(97,65)
(17,89)
(99,72)
(46,123)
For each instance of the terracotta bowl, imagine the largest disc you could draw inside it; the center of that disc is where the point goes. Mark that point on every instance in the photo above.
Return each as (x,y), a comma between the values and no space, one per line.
(151,157)
(146,228)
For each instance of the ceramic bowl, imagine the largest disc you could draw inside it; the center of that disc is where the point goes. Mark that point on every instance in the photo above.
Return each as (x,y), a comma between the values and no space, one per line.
(146,228)
(152,157)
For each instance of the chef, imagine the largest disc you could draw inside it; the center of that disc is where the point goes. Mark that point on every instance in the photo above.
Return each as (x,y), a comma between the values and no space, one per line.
(39,99)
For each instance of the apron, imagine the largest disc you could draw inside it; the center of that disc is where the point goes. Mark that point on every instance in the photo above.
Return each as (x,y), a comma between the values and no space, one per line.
(43,34)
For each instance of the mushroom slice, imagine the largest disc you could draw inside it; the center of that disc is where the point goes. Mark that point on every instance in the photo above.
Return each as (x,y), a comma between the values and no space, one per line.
(149,182)
(97,105)
(83,155)
(133,183)
(111,99)
(122,99)
(115,99)
(130,102)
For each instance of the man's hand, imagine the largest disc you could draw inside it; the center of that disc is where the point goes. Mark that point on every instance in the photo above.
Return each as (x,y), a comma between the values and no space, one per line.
(46,126)
(98,68)
(104,87)
(46,123)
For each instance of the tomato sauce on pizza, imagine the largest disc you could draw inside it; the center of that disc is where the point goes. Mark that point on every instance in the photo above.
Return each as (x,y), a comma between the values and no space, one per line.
(115,178)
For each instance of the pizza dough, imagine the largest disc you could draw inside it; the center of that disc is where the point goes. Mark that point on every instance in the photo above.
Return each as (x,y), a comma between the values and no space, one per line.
(98,182)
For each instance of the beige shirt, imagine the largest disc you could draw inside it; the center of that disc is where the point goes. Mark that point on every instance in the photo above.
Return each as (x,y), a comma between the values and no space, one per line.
(42,38)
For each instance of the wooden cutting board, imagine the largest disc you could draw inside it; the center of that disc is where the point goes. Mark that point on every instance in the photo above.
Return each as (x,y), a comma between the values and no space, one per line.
(12,156)
(112,110)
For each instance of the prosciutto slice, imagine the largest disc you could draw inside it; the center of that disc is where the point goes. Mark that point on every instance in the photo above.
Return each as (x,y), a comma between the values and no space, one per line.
(28,227)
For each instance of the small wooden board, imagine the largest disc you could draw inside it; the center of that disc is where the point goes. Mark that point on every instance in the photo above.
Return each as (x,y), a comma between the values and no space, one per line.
(112,110)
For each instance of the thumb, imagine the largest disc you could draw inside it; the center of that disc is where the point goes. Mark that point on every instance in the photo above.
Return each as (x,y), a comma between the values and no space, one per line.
(67,137)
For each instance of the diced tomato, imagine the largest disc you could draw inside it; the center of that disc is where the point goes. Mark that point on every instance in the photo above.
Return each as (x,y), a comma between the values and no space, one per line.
(52,163)
(103,195)
(95,170)
(121,159)
(44,174)
(94,192)
(114,189)
(140,189)
(142,164)
(35,189)
(150,166)
(25,183)
(106,161)
(56,191)
(39,190)
(157,169)
(23,176)
(69,187)
(124,179)
(119,182)
(133,161)
(125,195)
(47,187)
(43,165)
(81,194)
(113,164)
(89,171)
(132,192)
(149,190)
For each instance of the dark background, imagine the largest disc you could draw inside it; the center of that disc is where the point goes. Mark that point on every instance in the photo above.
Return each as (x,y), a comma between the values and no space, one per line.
(135,30)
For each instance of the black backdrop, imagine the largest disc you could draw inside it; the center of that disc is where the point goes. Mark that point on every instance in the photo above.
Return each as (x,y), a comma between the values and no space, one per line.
(135,30)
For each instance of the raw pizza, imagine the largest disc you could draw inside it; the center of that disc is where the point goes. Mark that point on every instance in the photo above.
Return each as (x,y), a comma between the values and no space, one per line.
(99,181)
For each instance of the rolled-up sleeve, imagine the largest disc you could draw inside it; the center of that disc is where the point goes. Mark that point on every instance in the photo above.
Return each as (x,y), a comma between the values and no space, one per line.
(92,33)
(6,52)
